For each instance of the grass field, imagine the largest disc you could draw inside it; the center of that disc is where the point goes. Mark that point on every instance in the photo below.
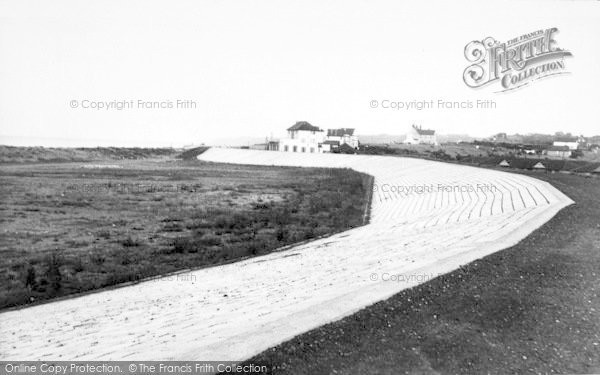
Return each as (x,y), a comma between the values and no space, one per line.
(74,227)
(14,154)
(532,308)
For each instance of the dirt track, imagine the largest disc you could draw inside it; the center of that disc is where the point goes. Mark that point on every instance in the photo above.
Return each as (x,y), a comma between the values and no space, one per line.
(427,218)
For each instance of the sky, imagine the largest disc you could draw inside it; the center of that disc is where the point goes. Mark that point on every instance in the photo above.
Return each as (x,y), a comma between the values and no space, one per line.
(253,68)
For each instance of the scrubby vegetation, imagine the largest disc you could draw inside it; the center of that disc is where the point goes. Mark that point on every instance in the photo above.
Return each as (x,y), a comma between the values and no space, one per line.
(568,165)
(12,154)
(67,229)
(490,156)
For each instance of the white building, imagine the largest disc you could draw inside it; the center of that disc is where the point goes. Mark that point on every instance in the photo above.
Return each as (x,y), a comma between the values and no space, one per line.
(418,135)
(342,136)
(302,137)
(559,151)
(571,142)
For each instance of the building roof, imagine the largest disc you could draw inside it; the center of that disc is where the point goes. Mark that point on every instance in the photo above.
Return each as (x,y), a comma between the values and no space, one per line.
(539,165)
(340,132)
(335,143)
(504,163)
(304,125)
(565,139)
(422,131)
(559,148)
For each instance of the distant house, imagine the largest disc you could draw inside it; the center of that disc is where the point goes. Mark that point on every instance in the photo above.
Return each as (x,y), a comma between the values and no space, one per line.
(504,163)
(302,137)
(269,145)
(559,151)
(500,137)
(531,149)
(329,146)
(344,136)
(273,145)
(418,135)
(539,166)
(571,142)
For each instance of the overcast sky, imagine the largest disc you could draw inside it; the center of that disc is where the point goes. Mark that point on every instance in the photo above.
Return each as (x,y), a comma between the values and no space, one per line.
(254,68)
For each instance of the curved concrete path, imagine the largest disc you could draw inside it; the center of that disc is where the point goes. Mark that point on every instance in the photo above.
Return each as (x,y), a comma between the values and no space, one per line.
(234,311)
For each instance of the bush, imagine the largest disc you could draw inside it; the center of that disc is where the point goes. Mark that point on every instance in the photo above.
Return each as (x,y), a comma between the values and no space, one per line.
(210,240)
(441,154)
(53,262)
(77,264)
(282,234)
(97,259)
(30,277)
(130,242)
(181,245)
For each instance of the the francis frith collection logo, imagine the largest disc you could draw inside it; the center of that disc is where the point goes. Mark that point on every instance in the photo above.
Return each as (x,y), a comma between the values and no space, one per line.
(515,63)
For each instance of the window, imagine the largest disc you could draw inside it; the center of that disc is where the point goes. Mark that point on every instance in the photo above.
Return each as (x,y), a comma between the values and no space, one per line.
(286,148)
(295,149)
(312,149)
(303,149)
